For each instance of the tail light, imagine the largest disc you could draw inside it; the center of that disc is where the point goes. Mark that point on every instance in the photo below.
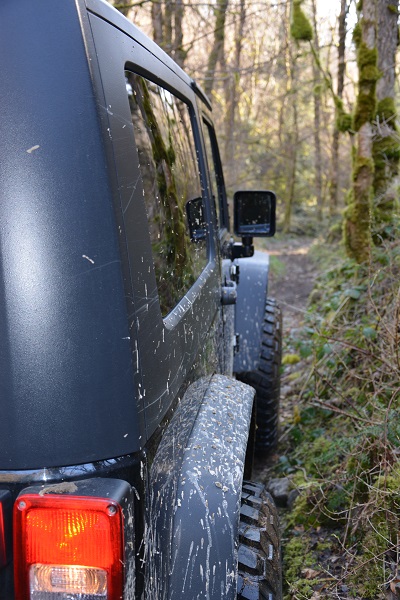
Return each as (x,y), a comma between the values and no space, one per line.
(5,527)
(69,547)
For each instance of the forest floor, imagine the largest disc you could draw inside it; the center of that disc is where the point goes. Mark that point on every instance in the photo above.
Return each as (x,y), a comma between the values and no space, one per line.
(291,280)
(292,275)
(337,542)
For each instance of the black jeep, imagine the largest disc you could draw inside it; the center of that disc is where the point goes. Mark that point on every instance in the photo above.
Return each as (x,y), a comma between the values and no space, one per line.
(126,442)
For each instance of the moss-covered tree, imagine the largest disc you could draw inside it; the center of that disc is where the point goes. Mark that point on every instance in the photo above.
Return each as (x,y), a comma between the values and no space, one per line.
(300,27)
(386,149)
(357,224)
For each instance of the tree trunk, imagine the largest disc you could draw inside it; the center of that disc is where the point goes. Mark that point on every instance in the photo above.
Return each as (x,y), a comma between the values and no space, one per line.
(317,121)
(333,187)
(179,52)
(386,146)
(294,137)
(157,22)
(293,131)
(232,94)
(218,45)
(167,33)
(357,223)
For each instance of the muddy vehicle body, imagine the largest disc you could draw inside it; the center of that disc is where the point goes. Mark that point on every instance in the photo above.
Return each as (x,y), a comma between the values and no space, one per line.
(126,440)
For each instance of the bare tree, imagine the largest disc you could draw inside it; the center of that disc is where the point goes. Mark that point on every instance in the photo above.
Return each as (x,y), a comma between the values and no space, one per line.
(317,119)
(333,187)
(217,50)
(167,21)
(232,90)
(291,57)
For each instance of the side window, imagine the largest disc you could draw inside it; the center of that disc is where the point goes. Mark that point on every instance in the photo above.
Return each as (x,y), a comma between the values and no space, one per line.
(217,182)
(172,188)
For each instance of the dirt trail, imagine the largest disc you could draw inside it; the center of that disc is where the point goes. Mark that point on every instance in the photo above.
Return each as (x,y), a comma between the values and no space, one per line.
(292,279)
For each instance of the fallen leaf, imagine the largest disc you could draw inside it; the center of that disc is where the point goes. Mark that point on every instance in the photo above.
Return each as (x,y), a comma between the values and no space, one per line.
(310,573)
(395,586)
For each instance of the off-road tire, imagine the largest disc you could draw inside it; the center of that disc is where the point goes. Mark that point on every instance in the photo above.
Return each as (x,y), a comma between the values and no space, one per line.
(259,561)
(266,380)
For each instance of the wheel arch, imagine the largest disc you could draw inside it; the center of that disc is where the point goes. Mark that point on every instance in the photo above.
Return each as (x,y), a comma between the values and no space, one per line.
(195,495)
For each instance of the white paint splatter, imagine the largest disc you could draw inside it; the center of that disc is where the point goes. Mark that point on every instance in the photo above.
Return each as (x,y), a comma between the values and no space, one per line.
(33,149)
(87,258)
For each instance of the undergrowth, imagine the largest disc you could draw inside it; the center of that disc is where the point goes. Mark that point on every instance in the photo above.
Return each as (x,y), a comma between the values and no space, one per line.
(344,438)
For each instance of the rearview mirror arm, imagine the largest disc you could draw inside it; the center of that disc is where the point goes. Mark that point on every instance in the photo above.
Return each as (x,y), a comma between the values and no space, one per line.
(245,249)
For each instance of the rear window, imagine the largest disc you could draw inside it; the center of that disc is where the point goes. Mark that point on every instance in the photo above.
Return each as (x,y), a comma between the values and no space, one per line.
(172,188)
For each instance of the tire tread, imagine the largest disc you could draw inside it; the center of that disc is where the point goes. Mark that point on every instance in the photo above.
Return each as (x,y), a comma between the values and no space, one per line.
(260,575)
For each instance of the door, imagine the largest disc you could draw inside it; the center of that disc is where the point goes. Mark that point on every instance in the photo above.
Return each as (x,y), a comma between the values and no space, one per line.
(166,229)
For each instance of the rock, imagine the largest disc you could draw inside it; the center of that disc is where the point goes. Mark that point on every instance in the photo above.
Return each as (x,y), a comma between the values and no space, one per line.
(279,490)
(285,390)
(293,494)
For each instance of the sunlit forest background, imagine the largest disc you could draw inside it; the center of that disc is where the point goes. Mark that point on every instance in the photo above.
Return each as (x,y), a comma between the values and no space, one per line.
(305,98)
(283,79)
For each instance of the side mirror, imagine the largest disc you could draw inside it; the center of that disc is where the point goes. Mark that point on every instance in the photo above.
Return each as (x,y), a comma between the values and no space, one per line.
(254,214)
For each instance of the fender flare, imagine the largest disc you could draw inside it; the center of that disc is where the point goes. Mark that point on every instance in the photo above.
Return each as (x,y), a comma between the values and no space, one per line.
(195,494)
(250,308)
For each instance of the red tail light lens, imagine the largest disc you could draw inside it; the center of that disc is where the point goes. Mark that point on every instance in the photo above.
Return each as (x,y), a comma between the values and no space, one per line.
(6,504)
(68,547)
(3,560)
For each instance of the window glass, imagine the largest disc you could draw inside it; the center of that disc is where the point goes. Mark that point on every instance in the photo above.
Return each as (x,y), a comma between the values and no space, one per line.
(172,189)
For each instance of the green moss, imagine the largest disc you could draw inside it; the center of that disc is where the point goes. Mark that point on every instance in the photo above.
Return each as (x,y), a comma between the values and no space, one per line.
(393,8)
(387,501)
(387,148)
(321,453)
(334,236)
(303,513)
(366,56)
(297,556)
(390,482)
(336,503)
(356,227)
(365,110)
(362,163)
(318,89)
(386,111)
(300,28)
(343,119)
(290,359)
(370,74)
(368,575)
(357,35)
(386,151)
(386,154)
(344,122)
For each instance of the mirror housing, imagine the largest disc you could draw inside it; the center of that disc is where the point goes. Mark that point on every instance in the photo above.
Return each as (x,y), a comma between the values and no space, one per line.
(254,213)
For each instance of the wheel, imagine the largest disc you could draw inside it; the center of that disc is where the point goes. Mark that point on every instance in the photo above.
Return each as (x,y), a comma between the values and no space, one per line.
(266,379)
(259,561)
